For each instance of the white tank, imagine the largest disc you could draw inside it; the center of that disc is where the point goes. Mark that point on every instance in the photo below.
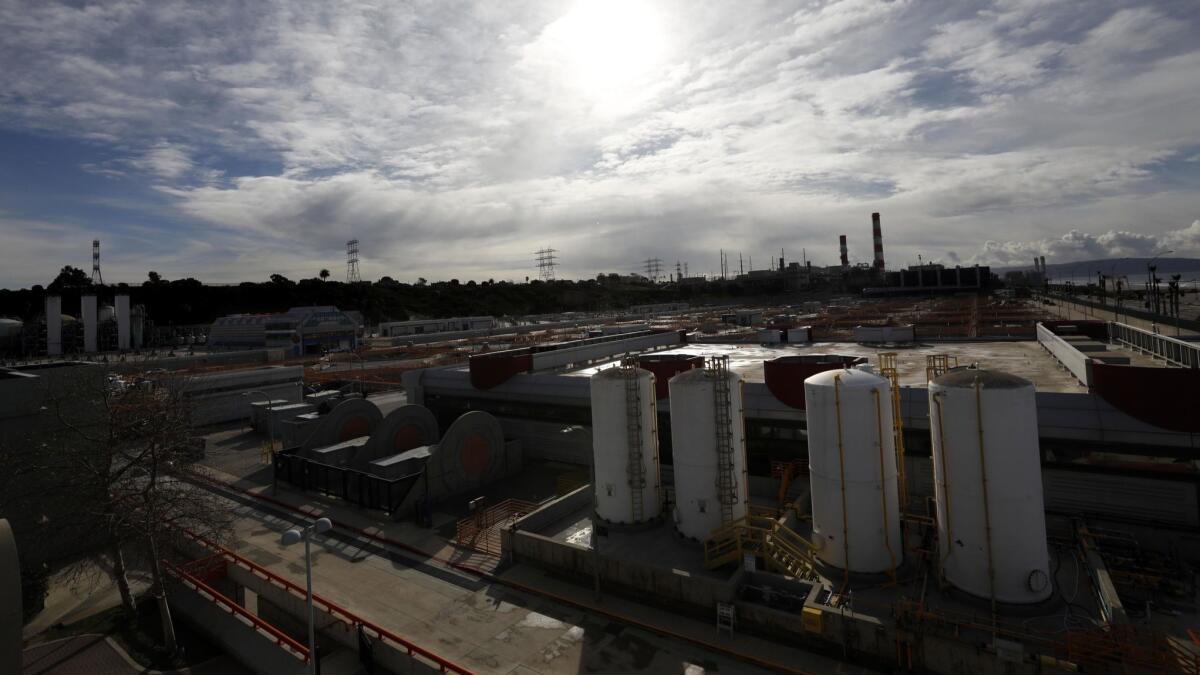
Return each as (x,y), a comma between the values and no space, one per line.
(613,422)
(988,482)
(852,471)
(698,508)
(106,313)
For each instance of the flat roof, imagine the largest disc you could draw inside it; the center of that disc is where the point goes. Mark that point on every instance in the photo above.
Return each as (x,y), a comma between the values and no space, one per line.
(1025,359)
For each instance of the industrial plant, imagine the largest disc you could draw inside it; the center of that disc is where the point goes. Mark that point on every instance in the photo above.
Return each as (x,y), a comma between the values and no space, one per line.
(927,473)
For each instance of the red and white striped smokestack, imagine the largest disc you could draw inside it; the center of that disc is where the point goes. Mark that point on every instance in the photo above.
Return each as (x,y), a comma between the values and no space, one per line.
(877,232)
(845,253)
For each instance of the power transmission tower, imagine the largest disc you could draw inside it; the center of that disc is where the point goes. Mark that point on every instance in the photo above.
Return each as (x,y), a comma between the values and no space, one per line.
(653,268)
(97,278)
(352,275)
(546,263)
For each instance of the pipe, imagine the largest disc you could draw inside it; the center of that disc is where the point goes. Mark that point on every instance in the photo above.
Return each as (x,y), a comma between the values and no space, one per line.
(937,402)
(987,516)
(837,407)
(887,541)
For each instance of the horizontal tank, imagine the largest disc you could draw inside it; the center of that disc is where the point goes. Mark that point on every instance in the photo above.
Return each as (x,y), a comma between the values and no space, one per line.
(702,502)
(988,483)
(106,313)
(625,445)
(852,471)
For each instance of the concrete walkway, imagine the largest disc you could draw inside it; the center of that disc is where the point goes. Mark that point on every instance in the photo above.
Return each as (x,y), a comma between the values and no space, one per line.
(492,627)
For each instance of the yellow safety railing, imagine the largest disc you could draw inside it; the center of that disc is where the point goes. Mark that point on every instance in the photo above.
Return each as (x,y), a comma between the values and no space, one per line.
(783,550)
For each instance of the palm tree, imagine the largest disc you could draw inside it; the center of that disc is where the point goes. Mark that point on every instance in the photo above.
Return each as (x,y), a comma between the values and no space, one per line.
(324,274)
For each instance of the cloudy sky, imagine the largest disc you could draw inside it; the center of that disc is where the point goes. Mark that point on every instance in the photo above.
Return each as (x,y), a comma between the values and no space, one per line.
(231,140)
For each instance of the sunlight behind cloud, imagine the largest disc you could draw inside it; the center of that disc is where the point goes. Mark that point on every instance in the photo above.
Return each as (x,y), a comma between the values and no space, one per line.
(607,51)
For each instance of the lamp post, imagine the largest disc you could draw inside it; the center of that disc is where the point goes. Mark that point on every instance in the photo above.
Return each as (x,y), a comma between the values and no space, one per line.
(293,536)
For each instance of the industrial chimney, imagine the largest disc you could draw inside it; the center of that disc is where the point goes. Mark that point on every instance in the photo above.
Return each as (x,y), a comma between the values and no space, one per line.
(878,234)
(1043,265)
(845,253)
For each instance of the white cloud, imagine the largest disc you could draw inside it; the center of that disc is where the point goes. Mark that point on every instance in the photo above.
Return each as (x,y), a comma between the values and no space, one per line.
(455,138)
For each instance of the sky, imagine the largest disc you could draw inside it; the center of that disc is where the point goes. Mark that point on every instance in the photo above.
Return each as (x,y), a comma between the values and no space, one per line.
(228,141)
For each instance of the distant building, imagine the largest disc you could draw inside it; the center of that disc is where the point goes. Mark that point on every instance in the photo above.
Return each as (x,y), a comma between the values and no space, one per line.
(299,331)
(427,326)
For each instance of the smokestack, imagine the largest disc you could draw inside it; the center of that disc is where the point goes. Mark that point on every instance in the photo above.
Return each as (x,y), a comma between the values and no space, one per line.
(845,254)
(1035,264)
(877,232)
(1043,264)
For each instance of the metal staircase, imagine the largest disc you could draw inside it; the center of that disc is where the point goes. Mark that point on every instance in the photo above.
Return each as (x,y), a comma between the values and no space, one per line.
(783,551)
(727,492)
(636,469)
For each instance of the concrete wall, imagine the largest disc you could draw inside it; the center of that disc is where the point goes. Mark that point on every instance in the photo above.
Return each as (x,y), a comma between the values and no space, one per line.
(1072,359)
(53,325)
(124,332)
(87,310)
(666,586)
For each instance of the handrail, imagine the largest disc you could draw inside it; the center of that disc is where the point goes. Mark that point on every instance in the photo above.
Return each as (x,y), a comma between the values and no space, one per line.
(343,615)
(282,639)
(1172,350)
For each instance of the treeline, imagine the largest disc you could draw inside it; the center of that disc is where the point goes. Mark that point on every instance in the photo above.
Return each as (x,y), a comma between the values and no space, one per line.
(190,301)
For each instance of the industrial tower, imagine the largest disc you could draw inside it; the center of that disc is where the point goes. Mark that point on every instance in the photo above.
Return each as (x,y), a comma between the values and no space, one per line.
(97,278)
(352,275)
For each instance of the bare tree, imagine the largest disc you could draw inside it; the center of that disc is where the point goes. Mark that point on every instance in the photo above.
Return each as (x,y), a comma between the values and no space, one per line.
(110,470)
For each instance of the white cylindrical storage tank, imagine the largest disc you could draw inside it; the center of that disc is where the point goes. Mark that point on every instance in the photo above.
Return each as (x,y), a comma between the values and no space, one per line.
(852,471)
(702,503)
(988,481)
(623,493)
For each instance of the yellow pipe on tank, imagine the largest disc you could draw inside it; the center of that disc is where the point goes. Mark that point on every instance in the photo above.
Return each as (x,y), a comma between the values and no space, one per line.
(837,407)
(883,486)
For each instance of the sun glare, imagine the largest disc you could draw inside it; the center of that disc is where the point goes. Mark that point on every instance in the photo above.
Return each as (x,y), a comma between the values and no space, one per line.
(609,50)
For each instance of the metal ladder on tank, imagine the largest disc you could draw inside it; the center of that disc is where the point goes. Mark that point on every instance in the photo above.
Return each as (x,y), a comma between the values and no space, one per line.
(636,470)
(723,421)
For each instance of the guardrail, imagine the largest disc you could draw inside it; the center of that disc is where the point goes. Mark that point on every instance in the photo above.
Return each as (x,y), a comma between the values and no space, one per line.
(207,592)
(1072,359)
(340,614)
(1169,349)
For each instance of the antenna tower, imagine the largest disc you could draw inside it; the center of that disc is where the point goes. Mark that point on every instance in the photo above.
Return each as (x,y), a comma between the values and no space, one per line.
(546,263)
(352,275)
(97,278)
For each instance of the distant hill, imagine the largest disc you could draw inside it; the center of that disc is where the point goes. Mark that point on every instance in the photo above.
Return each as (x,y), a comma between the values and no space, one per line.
(1128,267)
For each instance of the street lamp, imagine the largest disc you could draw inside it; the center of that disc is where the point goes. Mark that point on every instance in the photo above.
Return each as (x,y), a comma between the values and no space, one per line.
(293,536)
(361,371)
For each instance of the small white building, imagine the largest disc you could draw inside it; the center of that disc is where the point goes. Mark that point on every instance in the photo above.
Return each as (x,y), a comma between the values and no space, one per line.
(427,326)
